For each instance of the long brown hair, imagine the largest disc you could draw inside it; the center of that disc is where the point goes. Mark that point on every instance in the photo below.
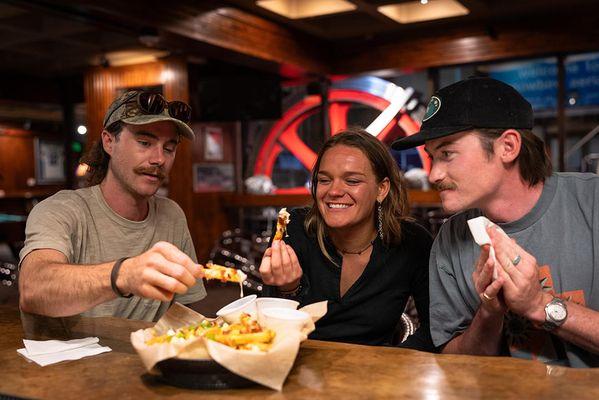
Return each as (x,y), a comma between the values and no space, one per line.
(394,207)
(97,159)
(533,161)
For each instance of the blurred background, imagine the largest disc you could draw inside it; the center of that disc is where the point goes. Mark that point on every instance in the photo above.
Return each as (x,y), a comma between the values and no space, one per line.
(269,81)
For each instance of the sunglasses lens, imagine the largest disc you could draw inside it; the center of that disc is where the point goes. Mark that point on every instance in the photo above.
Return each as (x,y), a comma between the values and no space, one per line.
(180,111)
(151,103)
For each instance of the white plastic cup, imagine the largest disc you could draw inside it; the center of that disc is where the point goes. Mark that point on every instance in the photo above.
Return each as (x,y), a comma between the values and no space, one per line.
(281,319)
(264,303)
(232,311)
(275,302)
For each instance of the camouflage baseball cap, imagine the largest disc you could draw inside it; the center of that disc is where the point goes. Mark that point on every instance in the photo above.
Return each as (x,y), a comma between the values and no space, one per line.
(126,108)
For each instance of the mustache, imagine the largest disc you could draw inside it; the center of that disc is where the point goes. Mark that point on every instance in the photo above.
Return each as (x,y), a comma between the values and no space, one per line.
(157,171)
(444,186)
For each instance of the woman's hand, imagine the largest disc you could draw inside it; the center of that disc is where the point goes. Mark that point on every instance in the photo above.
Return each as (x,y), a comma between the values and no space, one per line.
(280,266)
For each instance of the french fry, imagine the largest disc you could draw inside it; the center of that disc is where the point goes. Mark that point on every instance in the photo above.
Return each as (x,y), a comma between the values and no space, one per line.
(239,339)
(282,221)
(221,273)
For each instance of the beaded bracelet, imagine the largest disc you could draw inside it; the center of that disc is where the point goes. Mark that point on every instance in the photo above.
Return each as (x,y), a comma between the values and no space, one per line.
(291,293)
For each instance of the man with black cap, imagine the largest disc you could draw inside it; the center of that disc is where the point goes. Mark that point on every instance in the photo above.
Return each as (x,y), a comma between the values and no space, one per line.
(114,248)
(542,300)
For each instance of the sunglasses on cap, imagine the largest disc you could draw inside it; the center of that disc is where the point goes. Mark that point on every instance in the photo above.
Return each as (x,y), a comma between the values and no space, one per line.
(154,104)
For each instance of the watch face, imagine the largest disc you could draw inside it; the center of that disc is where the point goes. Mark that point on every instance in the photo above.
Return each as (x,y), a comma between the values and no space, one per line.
(557,312)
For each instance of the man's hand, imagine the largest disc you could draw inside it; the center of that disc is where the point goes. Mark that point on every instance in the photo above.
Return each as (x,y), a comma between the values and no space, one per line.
(280,266)
(522,290)
(159,273)
(487,288)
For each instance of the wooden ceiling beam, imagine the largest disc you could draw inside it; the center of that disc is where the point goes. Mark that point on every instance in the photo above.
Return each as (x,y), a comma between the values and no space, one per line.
(373,11)
(465,45)
(206,23)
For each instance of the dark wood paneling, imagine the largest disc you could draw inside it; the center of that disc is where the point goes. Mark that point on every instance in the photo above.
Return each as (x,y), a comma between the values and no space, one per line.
(211,216)
(472,44)
(207,22)
(16,162)
(17,165)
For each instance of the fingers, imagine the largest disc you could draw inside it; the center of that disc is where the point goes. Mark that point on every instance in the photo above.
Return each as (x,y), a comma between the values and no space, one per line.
(156,293)
(296,269)
(265,267)
(506,251)
(275,260)
(286,259)
(161,281)
(482,258)
(176,272)
(280,265)
(160,272)
(508,282)
(173,254)
(493,289)
(486,273)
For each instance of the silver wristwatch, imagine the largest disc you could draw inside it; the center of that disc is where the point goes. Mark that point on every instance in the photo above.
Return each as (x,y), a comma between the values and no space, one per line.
(556,313)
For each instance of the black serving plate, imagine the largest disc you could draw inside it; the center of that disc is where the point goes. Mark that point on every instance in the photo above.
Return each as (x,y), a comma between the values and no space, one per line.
(199,374)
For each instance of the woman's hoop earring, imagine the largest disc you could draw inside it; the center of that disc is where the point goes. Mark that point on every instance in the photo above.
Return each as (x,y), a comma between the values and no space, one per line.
(380,219)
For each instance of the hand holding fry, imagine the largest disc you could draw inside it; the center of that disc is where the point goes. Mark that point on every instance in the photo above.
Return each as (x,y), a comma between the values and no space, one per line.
(159,273)
(280,266)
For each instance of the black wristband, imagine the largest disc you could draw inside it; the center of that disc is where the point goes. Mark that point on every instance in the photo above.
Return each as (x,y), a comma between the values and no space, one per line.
(114,275)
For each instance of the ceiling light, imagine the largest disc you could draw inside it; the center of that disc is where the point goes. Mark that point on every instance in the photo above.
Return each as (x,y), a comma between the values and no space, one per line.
(406,13)
(129,57)
(295,9)
(167,75)
(81,129)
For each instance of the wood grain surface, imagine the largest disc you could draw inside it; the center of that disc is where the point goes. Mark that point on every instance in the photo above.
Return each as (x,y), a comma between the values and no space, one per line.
(322,370)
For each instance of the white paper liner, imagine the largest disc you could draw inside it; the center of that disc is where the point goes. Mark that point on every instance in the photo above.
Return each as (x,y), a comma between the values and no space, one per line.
(266,368)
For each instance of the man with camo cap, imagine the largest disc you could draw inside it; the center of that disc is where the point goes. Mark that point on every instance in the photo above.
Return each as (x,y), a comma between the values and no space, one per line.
(114,248)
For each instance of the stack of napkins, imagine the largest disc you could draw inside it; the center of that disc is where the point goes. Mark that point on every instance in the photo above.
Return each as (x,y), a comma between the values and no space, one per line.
(478,228)
(46,352)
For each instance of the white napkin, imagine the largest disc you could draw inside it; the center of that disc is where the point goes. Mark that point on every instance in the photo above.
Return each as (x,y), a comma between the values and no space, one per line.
(46,352)
(478,229)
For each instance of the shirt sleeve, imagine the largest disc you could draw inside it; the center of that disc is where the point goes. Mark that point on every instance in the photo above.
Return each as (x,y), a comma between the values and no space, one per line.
(450,314)
(421,339)
(50,225)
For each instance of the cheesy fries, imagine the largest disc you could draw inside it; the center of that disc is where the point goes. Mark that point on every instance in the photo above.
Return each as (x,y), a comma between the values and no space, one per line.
(246,334)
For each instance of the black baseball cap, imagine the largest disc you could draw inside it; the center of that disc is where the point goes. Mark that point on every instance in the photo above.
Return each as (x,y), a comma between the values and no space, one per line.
(477,102)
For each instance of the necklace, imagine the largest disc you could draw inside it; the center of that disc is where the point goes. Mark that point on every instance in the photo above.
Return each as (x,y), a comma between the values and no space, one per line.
(343,251)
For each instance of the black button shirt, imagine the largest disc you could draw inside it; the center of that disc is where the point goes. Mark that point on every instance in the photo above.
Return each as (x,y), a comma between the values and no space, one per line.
(370,310)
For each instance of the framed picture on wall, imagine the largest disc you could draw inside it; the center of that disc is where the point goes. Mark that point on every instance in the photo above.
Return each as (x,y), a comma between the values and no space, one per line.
(50,162)
(218,177)
(213,143)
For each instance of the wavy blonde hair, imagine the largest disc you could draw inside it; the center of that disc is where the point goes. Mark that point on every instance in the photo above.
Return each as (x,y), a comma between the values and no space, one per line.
(394,207)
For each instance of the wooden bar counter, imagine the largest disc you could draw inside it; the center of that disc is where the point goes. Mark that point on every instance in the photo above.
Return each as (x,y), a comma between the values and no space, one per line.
(322,370)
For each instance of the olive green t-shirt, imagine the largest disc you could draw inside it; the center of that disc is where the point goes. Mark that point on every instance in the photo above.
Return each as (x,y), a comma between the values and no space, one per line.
(81,225)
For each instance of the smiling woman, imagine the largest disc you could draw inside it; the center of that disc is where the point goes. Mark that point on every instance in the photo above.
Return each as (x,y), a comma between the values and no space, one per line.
(356,247)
